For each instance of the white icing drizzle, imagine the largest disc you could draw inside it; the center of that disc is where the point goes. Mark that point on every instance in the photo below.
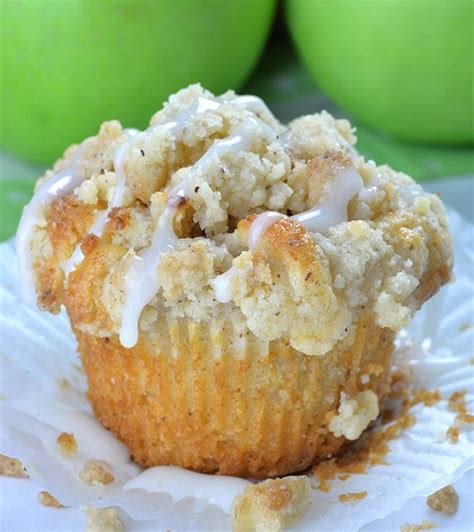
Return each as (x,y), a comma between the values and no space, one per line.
(117,198)
(332,208)
(255,105)
(285,139)
(141,282)
(55,186)
(261,223)
(410,193)
(176,127)
(221,285)
(329,211)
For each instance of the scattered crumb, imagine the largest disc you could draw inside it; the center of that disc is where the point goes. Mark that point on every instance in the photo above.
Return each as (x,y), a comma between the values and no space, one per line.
(375,369)
(46,499)
(345,476)
(464,419)
(354,414)
(453,433)
(11,467)
(427,397)
(465,326)
(471,360)
(352,497)
(372,447)
(64,384)
(271,505)
(456,401)
(102,520)
(67,445)
(445,500)
(425,525)
(93,474)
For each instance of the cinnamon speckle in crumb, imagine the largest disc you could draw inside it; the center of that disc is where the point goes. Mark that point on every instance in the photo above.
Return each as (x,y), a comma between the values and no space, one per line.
(93,474)
(445,500)
(67,445)
(46,499)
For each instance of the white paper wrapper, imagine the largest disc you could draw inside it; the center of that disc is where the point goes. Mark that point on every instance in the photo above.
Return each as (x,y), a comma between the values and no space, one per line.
(38,355)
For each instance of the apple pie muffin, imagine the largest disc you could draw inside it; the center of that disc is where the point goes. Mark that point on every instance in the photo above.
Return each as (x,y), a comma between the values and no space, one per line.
(234,284)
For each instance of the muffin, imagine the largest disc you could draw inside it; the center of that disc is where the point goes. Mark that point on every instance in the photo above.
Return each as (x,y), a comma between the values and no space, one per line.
(234,284)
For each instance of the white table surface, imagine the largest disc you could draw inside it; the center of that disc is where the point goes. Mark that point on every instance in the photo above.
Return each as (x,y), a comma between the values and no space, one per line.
(20,510)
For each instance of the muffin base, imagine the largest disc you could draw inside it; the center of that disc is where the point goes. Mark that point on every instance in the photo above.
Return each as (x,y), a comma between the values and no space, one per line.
(258,411)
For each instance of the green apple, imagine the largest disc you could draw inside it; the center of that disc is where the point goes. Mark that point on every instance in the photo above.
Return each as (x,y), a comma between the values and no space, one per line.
(403,66)
(67,65)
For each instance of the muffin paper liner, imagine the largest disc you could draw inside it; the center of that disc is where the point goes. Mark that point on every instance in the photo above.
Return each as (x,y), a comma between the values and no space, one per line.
(43,394)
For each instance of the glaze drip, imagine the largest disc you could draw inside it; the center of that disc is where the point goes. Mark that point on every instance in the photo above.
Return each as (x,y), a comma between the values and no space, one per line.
(329,211)
(141,283)
(53,187)
(332,208)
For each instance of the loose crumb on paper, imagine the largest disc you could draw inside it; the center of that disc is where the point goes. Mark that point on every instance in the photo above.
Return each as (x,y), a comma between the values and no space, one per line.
(424,525)
(46,499)
(427,397)
(445,500)
(271,505)
(453,433)
(354,414)
(353,497)
(67,445)
(372,447)
(457,403)
(102,520)
(11,467)
(94,474)
(64,384)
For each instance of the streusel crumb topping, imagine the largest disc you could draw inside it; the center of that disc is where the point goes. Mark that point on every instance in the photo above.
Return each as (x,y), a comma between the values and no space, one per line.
(219,210)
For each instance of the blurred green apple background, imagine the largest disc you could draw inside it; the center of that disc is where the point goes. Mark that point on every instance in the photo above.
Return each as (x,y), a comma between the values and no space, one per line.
(402,66)
(396,68)
(70,64)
